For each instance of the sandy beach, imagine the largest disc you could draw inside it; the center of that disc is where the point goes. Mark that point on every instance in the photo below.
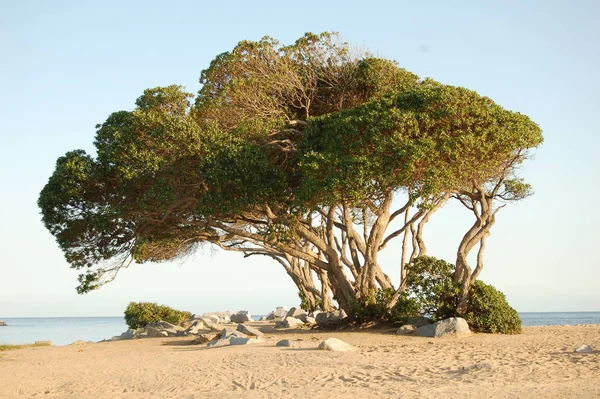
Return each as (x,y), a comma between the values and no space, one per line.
(539,363)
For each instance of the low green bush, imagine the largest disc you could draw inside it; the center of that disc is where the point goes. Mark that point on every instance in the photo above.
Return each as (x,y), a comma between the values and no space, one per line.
(430,284)
(432,292)
(489,312)
(140,314)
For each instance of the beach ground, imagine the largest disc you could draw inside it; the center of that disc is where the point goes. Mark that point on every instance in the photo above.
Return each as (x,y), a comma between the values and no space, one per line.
(540,363)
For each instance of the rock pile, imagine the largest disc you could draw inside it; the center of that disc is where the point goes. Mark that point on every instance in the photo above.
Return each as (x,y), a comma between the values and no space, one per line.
(294,318)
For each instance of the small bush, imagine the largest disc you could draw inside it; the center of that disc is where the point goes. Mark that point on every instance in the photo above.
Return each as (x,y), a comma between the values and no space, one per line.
(140,314)
(430,284)
(489,312)
(371,307)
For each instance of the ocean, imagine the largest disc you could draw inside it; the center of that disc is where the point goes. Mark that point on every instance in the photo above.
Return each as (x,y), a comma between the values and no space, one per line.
(65,330)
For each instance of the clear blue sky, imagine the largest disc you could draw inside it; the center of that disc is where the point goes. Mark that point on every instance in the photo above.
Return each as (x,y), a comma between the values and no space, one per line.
(66,65)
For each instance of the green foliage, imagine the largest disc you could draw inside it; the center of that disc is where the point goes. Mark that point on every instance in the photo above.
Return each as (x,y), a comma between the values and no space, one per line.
(274,130)
(371,307)
(489,312)
(432,291)
(431,286)
(140,314)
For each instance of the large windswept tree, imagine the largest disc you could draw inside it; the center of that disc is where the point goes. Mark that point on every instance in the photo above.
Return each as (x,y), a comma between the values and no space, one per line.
(311,154)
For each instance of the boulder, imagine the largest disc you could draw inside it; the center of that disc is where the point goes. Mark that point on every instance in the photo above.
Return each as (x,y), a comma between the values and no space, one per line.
(129,334)
(223,317)
(289,322)
(448,327)
(250,330)
(584,349)
(287,343)
(150,332)
(296,312)
(241,317)
(210,324)
(314,313)
(196,327)
(212,317)
(406,329)
(330,317)
(310,320)
(230,336)
(163,325)
(335,345)
(280,312)
(419,321)
(243,340)
(204,338)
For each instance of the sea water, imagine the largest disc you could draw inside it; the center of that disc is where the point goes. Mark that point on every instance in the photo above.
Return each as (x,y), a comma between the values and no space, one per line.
(65,330)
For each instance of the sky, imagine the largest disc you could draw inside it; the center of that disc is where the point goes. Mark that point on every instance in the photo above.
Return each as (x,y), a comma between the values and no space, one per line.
(66,65)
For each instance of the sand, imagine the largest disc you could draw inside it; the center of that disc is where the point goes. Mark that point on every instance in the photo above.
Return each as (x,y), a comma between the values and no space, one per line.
(540,363)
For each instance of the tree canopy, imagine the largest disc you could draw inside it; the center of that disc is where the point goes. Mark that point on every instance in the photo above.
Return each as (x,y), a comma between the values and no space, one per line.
(299,153)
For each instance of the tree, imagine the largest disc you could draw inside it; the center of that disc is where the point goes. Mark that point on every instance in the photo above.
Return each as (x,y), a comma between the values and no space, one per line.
(298,153)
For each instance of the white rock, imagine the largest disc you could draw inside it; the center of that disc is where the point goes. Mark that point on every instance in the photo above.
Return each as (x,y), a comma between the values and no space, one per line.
(289,322)
(335,345)
(453,326)
(406,329)
(249,330)
(584,349)
(297,313)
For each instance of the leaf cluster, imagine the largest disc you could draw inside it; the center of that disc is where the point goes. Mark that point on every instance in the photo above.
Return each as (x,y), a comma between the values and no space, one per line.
(140,314)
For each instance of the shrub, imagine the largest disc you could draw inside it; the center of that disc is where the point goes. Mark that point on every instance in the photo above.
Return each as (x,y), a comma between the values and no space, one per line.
(430,284)
(489,312)
(140,314)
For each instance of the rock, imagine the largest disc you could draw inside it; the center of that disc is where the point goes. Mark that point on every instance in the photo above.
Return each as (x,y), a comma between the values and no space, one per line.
(446,327)
(406,329)
(210,324)
(314,313)
(204,338)
(80,342)
(196,327)
(212,317)
(310,320)
(230,336)
(163,325)
(218,343)
(289,322)
(129,334)
(335,345)
(2,324)
(240,317)
(296,312)
(330,317)
(419,321)
(287,343)
(223,317)
(229,331)
(584,349)
(249,330)
(280,312)
(243,340)
(150,332)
